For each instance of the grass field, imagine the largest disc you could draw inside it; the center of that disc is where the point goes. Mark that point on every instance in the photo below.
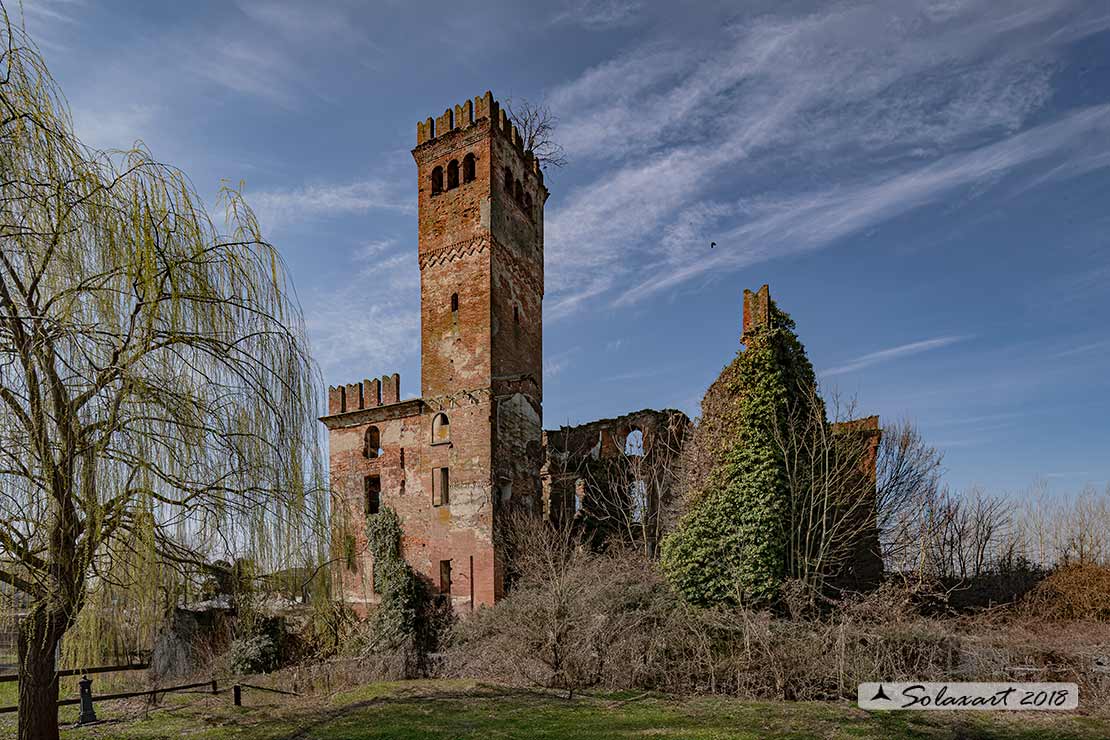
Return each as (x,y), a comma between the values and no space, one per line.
(458,709)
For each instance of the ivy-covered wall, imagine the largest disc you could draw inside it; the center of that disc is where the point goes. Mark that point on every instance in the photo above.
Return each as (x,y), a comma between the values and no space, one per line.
(729,545)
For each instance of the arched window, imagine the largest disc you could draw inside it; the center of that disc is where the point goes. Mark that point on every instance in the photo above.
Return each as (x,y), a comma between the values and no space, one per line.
(453,174)
(441,428)
(528,204)
(372,443)
(634,443)
(468,168)
(519,193)
(508,175)
(437,181)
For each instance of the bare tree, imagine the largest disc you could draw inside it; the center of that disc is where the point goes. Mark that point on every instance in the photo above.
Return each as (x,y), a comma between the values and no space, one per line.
(854,490)
(157,400)
(537,124)
(907,476)
(962,536)
(831,525)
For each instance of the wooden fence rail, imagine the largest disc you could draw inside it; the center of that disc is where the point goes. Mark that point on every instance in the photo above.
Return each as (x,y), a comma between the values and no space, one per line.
(83,671)
(128,694)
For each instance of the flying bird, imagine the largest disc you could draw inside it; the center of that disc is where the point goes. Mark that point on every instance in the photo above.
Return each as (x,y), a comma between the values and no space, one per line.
(712,244)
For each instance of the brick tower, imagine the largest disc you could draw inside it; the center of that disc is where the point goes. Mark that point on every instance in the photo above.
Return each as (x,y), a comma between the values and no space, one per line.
(453,460)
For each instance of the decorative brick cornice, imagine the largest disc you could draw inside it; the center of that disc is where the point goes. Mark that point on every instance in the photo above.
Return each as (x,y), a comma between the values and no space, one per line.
(452,252)
(402,410)
(458,399)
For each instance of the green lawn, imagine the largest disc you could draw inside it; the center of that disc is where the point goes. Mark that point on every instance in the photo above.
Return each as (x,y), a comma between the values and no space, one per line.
(458,709)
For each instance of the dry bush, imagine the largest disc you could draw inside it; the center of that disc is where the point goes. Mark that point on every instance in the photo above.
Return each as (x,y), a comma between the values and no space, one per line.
(570,611)
(627,630)
(1079,591)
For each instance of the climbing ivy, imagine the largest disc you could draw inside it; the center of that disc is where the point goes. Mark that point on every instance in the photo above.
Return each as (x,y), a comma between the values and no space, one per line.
(730,545)
(402,594)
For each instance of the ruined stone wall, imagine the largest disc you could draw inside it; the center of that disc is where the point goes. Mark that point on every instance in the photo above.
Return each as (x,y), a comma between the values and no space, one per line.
(864,570)
(614,477)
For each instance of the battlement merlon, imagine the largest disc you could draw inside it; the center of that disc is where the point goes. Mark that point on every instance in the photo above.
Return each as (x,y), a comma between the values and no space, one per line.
(757,311)
(365,395)
(472,113)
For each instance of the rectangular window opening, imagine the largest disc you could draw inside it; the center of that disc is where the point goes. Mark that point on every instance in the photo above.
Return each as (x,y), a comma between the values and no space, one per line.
(441,487)
(373,488)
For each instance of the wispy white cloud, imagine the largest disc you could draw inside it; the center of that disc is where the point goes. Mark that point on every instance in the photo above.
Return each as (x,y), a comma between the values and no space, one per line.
(892,353)
(53,11)
(794,132)
(118,126)
(555,364)
(1085,349)
(279,207)
(355,330)
(599,15)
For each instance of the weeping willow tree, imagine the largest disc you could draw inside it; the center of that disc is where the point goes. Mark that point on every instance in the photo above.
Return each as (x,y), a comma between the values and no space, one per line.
(157,401)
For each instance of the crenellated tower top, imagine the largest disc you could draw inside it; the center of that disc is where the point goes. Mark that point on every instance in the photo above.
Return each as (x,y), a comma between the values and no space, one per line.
(475,113)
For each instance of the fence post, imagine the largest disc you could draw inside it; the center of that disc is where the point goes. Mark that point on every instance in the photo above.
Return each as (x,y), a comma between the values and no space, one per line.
(238,692)
(88,714)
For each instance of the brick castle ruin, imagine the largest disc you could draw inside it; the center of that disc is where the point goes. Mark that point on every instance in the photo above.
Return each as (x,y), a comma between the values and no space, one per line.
(472,446)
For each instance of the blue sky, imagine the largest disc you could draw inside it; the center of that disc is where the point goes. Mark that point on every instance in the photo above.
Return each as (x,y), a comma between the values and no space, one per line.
(924,185)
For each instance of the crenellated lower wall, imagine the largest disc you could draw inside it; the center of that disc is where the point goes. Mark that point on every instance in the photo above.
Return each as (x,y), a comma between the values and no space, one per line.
(365,395)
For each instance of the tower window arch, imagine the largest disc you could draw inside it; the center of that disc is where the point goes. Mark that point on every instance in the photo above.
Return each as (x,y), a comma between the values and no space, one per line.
(508,176)
(372,443)
(468,168)
(441,428)
(437,181)
(453,174)
(528,205)
(519,193)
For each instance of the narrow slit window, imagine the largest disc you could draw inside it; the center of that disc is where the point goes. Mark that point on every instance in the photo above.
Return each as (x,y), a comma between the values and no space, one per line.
(508,175)
(445,577)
